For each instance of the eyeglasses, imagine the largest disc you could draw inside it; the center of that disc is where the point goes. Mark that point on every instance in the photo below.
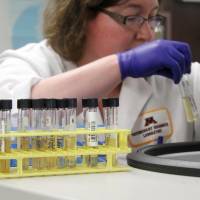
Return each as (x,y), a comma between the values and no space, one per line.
(134,21)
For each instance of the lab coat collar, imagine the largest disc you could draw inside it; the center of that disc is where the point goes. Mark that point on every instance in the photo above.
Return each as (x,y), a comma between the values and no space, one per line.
(133,96)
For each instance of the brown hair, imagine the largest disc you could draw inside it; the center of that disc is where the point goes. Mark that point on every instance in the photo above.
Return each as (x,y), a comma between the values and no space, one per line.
(65,23)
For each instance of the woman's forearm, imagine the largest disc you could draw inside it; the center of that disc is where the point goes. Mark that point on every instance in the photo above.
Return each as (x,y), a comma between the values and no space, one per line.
(92,80)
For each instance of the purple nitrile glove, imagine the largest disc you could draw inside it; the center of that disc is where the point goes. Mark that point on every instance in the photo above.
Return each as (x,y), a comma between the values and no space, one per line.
(167,58)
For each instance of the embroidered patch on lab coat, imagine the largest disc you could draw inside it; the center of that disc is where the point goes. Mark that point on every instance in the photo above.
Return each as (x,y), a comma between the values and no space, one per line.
(150,127)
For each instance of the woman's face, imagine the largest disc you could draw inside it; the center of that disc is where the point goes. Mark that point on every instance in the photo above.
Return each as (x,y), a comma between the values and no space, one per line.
(105,36)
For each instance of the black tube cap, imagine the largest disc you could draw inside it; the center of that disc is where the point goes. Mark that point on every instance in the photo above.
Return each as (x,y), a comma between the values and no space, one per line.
(113,102)
(105,102)
(61,103)
(50,103)
(71,103)
(38,103)
(92,103)
(6,104)
(67,103)
(24,103)
(84,103)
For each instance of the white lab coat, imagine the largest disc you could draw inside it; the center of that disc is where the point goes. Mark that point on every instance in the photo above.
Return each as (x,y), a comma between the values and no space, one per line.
(151,107)
(159,99)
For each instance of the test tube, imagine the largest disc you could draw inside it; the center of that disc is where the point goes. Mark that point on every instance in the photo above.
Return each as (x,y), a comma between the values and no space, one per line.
(24,123)
(105,112)
(5,126)
(91,125)
(70,140)
(49,142)
(60,124)
(105,103)
(85,108)
(38,123)
(105,122)
(59,114)
(81,138)
(112,139)
(113,104)
(110,113)
(189,103)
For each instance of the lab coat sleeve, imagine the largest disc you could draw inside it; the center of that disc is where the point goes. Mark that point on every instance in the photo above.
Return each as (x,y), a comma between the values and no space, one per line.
(22,68)
(16,79)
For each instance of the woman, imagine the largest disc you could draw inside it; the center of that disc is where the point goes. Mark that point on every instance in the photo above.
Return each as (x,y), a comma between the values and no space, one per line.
(98,48)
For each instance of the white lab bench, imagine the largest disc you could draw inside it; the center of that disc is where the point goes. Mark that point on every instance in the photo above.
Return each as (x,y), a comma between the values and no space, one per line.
(133,185)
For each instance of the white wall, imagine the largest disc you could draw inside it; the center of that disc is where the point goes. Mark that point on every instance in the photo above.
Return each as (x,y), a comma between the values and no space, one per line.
(20,22)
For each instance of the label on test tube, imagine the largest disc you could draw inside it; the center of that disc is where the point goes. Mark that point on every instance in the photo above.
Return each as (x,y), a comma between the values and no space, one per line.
(91,121)
(92,126)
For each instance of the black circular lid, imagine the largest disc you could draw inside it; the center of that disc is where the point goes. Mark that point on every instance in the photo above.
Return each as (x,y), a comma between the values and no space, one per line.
(174,158)
(84,103)
(92,103)
(61,103)
(38,103)
(105,102)
(24,103)
(71,102)
(50,103)
(67,103)
(113,102)
(5,104)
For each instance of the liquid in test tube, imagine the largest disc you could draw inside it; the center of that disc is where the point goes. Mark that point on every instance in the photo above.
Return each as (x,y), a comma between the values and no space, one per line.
(189,103)
(24,124)
(70,140)
(91,125)
(5,126)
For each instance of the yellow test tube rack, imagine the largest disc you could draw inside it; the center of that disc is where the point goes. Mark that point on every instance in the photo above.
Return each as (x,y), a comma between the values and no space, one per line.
(22,155)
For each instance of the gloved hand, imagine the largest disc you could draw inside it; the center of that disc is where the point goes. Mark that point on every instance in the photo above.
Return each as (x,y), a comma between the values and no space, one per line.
(167,58)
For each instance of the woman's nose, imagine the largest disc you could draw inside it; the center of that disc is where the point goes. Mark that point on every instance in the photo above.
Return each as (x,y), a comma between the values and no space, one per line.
(145,32)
